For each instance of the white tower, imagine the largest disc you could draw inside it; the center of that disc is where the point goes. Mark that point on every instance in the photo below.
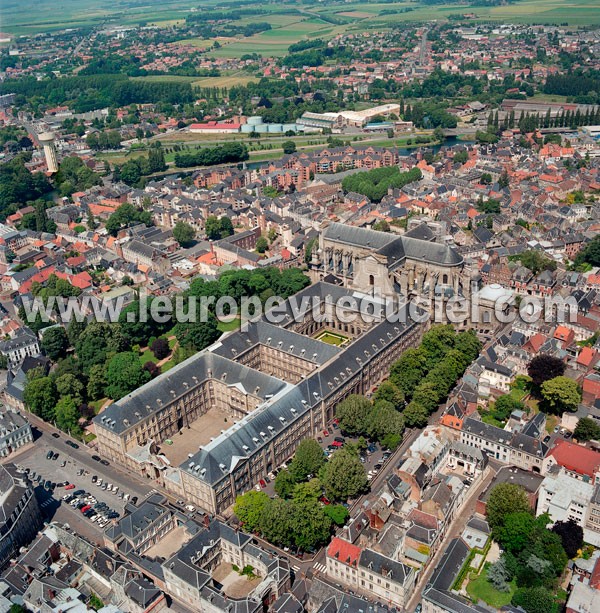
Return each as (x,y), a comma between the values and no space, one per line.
(47,141)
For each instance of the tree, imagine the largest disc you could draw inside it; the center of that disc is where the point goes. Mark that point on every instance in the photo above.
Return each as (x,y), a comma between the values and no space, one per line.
(40,396)
(310,525)
(197,334)
(343,476)
(534,600)
(560,394)
(67,415)
(55,343)
(249,508)
(284,484)
(415,415)
(516,531)
(97,341)
(212,228)
(353,414)
(308,460)
(160,348)
(338,513)
(69,385)
(275,522)
(262,244)
(544,367)
(289,147)
(384,420)
(183,233)
(381,226)
(499,576)
(505,498)
(96,382)
(571,536)
(124,374)
(505,405)
(586,430)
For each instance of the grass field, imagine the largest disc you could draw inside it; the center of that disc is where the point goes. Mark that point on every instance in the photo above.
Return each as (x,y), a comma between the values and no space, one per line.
(332,338)
(225,80)
(480,588)
(27,17)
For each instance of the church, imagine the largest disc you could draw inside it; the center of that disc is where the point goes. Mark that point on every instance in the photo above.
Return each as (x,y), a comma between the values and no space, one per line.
(412,264)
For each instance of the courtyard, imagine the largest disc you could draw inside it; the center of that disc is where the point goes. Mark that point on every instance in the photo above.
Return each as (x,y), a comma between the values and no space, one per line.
(332,338)
(199,433)
(234,584)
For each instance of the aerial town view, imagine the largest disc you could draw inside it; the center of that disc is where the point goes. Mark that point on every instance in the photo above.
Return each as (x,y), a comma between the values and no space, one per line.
(300,306)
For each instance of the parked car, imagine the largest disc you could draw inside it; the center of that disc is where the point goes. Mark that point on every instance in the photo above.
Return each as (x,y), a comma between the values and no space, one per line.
(339,439)
(190,508)
(70,486)
(79,493)
(72,444)
(337,444)
(56,435)
(96,458)
(85,508)
(55,456)
(134,500)
(94,478)
(49,455)
(263,483)
(105,462)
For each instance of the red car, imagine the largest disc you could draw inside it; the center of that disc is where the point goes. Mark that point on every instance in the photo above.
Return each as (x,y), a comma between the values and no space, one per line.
(325,500)
(326,432)
(263,483)
(337,444)
(69,486)
(86,508)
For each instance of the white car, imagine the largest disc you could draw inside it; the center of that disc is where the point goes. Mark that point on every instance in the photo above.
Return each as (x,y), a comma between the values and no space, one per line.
(115,489)
(190,508)
(99,482)
(109,487)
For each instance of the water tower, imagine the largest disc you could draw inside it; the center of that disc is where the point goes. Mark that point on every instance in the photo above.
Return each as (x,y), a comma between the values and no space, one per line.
(47,141)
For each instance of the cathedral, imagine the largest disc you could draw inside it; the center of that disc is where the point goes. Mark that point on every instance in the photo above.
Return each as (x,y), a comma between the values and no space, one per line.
(412,265)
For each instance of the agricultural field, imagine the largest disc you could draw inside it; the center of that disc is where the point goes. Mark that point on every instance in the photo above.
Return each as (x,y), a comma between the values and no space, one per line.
(290,23)
(224,81)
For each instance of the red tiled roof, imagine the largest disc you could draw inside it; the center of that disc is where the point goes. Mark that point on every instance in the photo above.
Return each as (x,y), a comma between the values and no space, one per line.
(345,552)
(576,458)
(587,356)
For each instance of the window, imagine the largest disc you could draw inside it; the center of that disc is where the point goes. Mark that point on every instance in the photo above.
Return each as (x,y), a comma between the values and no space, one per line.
(371,280)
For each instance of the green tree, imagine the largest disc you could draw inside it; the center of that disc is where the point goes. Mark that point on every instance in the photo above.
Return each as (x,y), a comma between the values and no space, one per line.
(276,522)
(262,244)
(308,460)
(384,420)
(516,531)
(353,414)
(338,513)
(504,499)
(212,228)
(390,392)
(55,343)
(289,146)
(40,396)
(505,405)
(310,525)
(571,536)
(534,600)
(69,385)
(96,386)
(67,416)
(97,341)
(183,233)
(560,394)
(586,430)
(249,508)
(124,374)
(415,415)
(197,334)
(285,484)
(544,367)
(343,476)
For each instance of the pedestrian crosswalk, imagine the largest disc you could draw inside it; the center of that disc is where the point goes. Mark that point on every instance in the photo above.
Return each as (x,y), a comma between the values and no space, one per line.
(296,569)
(320,568)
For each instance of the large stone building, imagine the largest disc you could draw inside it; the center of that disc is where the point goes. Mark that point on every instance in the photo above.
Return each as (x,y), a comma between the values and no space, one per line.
(20,516)
(411,264)
(277,383)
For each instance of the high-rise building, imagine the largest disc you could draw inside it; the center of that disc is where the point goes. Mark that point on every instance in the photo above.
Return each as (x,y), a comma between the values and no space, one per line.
(47,141)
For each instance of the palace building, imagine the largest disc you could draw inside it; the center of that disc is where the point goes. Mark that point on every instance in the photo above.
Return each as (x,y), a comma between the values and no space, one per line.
(269,386)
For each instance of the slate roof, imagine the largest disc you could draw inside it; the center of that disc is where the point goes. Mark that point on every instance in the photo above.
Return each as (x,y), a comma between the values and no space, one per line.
(398,248)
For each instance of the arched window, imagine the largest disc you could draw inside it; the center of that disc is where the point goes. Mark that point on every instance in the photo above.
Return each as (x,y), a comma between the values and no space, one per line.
(445,279)
(371,280)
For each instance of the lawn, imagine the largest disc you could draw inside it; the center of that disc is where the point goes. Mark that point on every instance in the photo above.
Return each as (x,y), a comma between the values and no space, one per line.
(331,338)
(227,326)
(479,588)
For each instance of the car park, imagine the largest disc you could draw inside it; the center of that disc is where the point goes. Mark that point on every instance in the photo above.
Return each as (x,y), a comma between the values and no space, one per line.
(340,439)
